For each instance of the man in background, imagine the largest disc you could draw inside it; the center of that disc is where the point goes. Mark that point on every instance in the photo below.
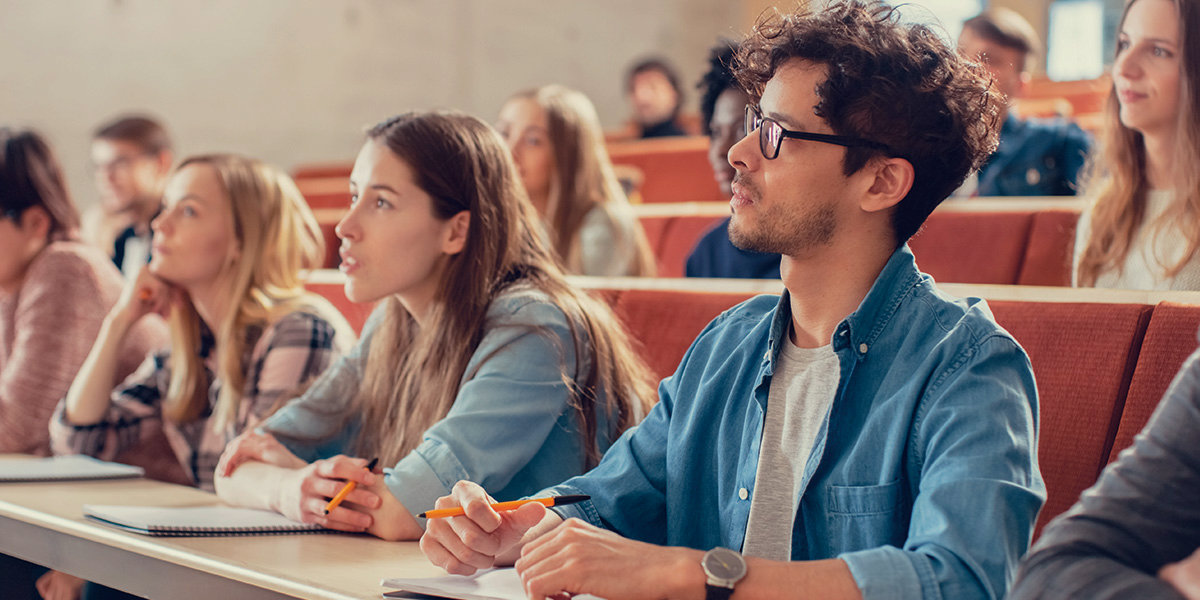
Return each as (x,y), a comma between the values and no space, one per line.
(1036,157)
(723,112)
(654,92)
(132,158)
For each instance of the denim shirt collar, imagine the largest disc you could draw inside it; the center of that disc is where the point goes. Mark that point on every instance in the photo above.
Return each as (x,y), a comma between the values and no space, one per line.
(859,330)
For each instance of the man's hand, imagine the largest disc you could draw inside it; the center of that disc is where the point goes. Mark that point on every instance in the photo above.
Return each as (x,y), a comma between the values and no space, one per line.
(579,558)
(481,538)
(1184,576)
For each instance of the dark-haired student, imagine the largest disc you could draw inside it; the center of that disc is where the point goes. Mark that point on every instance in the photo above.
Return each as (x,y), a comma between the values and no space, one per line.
(864,435)
(54,294)
(656,98)
(480,362)
(722,109)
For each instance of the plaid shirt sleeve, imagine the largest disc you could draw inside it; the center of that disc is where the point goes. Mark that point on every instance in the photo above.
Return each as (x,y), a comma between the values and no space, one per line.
(134,415)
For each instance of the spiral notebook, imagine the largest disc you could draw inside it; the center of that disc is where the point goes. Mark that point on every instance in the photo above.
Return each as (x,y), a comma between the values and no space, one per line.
(196,521)
(63,468)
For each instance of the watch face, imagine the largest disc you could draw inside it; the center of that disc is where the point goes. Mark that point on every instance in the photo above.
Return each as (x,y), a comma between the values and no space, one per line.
(724,564)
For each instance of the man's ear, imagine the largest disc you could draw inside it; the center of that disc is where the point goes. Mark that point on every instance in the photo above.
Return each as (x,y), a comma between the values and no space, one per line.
(164,161)
(459,227)
(893,178)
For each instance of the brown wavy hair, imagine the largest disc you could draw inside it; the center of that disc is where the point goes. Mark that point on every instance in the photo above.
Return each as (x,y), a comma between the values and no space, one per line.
(894,84)
(412,373)
(583,178)
(1116,174)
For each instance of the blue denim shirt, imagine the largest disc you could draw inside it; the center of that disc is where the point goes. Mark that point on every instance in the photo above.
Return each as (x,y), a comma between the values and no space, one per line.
(924,475)
(511,428)
(1036,157)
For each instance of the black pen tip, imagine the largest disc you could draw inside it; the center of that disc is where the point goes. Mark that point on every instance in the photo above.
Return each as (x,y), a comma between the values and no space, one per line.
(371,465)
(570,499)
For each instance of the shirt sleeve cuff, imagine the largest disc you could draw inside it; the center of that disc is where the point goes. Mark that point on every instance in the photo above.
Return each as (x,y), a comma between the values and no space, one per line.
(585,510)
(886,573)
(423,476)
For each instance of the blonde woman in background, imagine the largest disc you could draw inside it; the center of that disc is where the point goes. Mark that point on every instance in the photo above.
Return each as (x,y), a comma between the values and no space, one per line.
(480,361)
(556,141)
(1143,230)
(229,247)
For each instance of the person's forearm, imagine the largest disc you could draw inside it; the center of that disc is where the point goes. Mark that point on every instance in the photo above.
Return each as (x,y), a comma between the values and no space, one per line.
(88,397)
(253,485)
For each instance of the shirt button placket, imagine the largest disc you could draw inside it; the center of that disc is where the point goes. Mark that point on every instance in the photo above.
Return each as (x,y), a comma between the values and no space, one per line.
(743,493)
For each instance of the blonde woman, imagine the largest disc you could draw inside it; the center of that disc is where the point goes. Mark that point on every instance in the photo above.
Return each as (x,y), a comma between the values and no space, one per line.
(556,141)
(1143,230)
(480,361)
(228,250)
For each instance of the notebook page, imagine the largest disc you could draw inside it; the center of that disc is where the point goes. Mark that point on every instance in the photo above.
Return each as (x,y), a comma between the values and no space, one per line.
(211,519)
(493,584)
(63,468)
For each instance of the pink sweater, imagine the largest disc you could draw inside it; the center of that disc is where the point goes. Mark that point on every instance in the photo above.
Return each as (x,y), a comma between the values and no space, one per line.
(47,329)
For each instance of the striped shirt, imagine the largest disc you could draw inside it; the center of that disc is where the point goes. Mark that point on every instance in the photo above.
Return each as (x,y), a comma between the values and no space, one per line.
(282,357)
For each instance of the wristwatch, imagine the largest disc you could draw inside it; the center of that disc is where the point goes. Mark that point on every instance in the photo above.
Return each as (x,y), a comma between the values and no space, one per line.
(724,568)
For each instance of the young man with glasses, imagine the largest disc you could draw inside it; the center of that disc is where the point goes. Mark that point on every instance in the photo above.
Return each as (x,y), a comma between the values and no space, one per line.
(864,435)
(132,159)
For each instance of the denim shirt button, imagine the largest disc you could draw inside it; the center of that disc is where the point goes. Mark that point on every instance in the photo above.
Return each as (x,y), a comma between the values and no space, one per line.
(862,348)
(767,355)
(743,493)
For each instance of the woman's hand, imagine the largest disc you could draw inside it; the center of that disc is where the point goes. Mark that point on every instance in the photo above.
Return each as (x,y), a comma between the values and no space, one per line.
(304,493)
(254,446)
(145,294)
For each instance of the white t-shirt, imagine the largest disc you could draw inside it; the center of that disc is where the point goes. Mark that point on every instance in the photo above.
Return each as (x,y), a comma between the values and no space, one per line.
(802,389)
(1151,252)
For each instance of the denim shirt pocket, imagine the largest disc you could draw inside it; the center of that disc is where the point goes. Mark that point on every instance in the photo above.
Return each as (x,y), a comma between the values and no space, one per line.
(866,516)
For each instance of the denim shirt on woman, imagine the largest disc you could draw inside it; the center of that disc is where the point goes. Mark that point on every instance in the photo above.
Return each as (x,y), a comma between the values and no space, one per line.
(923,477)
(512,427)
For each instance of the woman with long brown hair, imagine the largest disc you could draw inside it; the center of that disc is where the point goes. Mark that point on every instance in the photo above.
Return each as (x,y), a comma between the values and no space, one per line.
(480,361)
(1143,229)
(556,141)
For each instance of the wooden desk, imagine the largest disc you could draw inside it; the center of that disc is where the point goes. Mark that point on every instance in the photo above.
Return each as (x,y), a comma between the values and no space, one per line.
(43,523)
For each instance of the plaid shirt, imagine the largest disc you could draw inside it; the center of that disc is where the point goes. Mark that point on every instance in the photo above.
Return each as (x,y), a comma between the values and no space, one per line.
(282,358)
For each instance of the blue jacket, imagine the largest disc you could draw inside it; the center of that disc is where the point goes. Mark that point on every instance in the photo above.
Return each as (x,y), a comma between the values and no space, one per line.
(924,475)
(1036,157)
(715,256)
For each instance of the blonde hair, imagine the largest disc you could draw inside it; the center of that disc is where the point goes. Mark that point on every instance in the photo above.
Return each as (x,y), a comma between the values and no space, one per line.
(583,177)
(278,237)
(412,374)
(1116,172)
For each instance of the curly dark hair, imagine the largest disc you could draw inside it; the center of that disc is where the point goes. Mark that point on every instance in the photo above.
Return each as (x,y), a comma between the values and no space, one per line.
(896,84)
(716,80)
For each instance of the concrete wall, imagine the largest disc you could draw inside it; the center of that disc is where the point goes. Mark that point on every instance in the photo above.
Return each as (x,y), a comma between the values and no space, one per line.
(293,81)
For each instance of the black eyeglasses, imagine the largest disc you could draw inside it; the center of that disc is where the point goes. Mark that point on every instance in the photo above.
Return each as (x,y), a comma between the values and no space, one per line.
(771,134)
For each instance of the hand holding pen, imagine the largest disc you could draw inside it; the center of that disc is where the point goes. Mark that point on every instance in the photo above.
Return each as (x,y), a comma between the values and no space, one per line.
(306,494)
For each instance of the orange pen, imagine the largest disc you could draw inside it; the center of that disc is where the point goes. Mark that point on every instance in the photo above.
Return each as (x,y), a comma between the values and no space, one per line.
(346,489)
(457,511)
(145,294)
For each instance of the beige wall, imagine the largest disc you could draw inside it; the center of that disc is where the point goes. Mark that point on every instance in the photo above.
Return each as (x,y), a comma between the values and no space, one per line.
(297,80)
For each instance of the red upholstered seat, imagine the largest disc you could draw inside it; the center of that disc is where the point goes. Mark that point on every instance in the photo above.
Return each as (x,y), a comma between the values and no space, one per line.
(1051,244)
(673,169)
(663,324)
(973,247)
(1170,338)
(1083,356)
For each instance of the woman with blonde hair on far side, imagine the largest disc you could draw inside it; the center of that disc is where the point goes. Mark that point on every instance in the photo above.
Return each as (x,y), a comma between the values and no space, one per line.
(229,248)
(479,362)
(557,143)
(1143,228)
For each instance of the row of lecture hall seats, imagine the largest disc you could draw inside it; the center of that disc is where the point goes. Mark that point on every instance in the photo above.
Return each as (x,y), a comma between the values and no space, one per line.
(1024,241)
(995,241)
(1102,359)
